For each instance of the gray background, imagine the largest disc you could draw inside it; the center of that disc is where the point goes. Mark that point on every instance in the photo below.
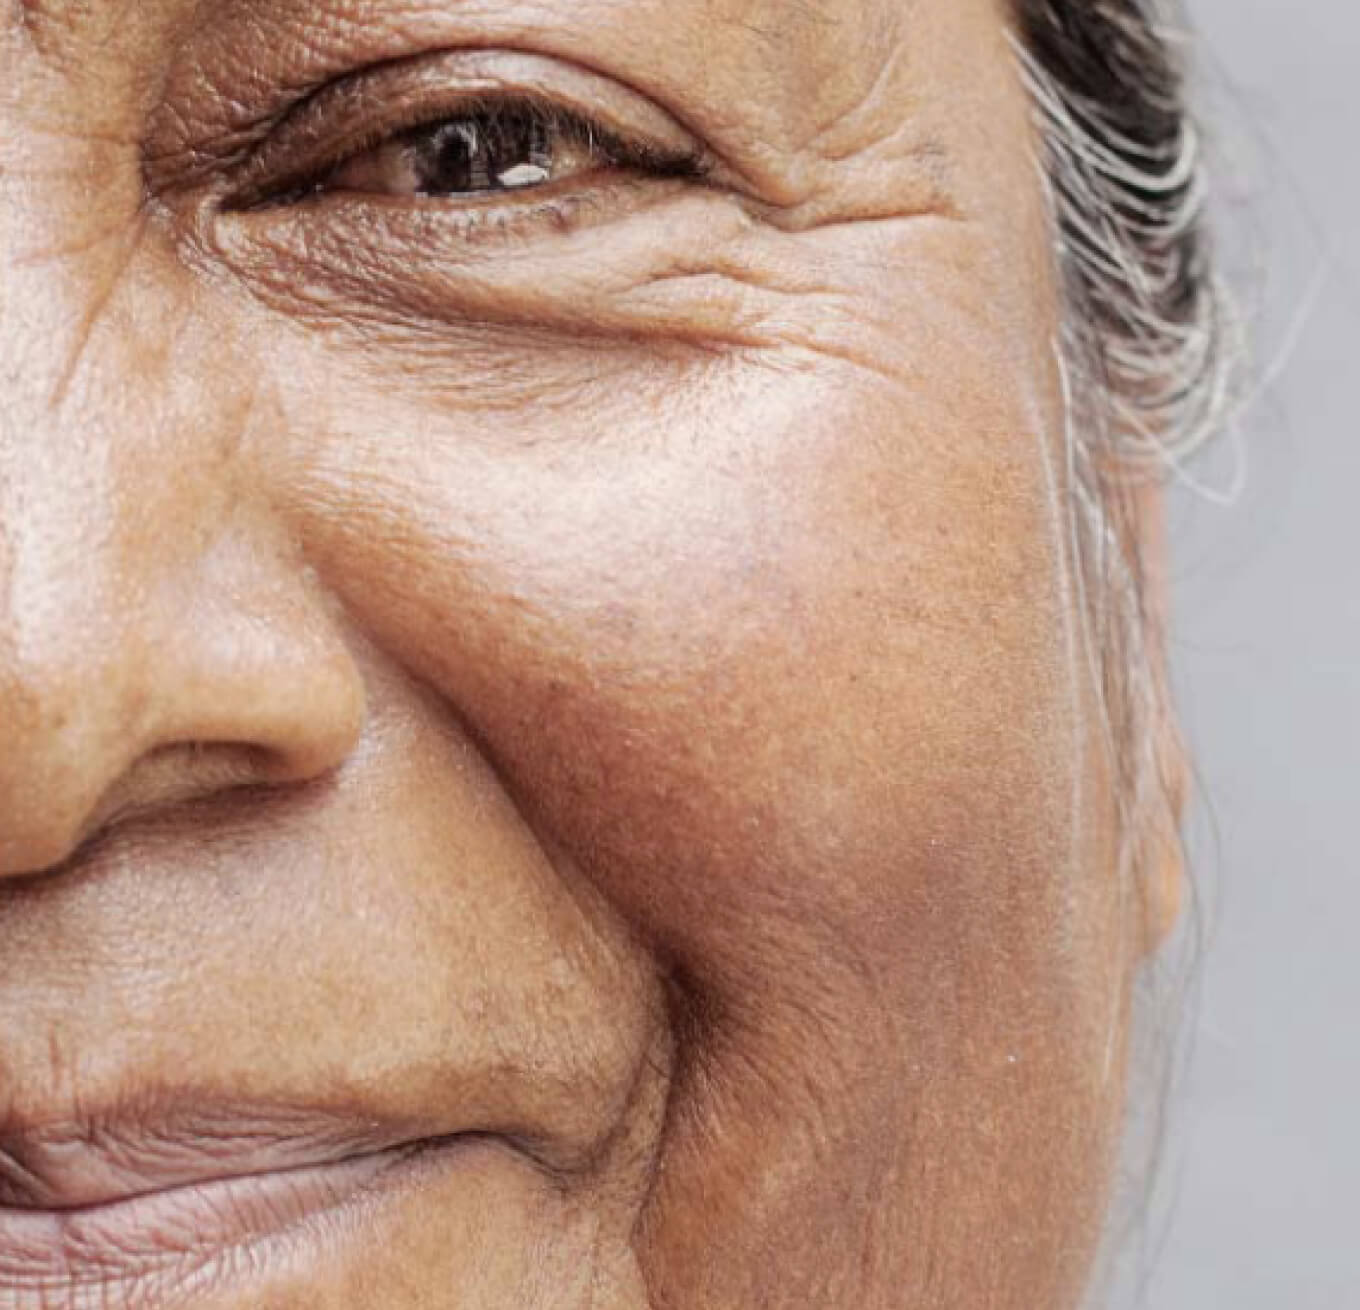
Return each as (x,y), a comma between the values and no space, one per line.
(1261,1193)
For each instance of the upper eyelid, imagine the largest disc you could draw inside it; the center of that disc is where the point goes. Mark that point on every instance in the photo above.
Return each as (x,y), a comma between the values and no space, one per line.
(355,112)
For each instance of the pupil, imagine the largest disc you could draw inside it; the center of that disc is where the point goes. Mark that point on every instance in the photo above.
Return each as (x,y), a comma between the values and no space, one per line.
(482,153)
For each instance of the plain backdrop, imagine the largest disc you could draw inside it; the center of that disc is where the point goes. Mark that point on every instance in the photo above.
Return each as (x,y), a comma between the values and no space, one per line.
(1263,1170)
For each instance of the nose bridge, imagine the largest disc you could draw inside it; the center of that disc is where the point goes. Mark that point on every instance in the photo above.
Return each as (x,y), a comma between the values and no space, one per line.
(74,694)
(147,598)
(68,566)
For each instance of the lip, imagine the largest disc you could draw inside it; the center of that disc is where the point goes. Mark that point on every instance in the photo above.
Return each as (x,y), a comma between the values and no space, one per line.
(189,1200)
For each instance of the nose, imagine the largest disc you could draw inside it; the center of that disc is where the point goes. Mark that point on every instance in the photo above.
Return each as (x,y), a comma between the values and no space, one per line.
(160,634)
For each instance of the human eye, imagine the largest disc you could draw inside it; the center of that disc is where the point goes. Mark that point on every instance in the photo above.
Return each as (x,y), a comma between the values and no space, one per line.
(426,142)
(483,150)
(464,185)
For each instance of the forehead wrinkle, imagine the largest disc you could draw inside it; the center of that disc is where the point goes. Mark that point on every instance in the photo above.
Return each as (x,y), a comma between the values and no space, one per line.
(773,32)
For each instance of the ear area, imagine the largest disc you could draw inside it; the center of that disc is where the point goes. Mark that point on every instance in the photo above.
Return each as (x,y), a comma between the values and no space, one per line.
(1161,867)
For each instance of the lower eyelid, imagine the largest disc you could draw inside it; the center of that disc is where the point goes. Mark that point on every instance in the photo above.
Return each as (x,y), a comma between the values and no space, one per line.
(567,271)
(377,245)
(333,228)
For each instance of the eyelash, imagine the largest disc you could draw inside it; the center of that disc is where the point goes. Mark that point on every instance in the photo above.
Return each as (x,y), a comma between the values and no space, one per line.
(549,200)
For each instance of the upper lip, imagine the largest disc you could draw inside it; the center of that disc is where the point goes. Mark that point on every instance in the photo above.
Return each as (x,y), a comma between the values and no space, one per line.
(121,1210)
(104,1159)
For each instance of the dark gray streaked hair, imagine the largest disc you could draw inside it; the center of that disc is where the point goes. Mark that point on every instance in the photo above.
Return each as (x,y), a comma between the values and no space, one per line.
(1125,169)
(1148,352)
(1149,342)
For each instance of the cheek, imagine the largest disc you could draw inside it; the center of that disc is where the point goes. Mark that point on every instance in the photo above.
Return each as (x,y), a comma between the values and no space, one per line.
(809,626)
(783,661)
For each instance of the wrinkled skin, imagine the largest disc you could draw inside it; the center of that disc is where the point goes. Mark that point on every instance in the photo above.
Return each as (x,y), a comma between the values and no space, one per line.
(606,677)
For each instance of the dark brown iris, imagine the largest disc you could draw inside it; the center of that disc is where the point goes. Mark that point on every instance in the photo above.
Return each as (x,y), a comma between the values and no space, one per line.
(472,154)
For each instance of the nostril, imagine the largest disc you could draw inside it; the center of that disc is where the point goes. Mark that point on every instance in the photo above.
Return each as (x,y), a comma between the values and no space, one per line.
(165,779)
(68,775)
(183,774)
(163,681)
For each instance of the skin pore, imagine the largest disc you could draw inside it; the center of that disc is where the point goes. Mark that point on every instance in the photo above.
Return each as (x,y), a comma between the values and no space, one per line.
(592,671)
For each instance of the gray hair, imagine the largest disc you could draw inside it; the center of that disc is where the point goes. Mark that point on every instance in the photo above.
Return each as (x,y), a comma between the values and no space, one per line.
(1149,349)
(1149,342)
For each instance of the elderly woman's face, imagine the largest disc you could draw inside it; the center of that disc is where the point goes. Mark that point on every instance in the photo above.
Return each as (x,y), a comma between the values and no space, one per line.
(547,755)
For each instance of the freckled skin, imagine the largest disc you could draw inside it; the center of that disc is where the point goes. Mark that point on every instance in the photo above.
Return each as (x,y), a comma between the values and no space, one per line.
(617,680)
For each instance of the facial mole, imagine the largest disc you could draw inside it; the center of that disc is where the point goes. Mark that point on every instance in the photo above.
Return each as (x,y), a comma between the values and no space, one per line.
(33,18)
